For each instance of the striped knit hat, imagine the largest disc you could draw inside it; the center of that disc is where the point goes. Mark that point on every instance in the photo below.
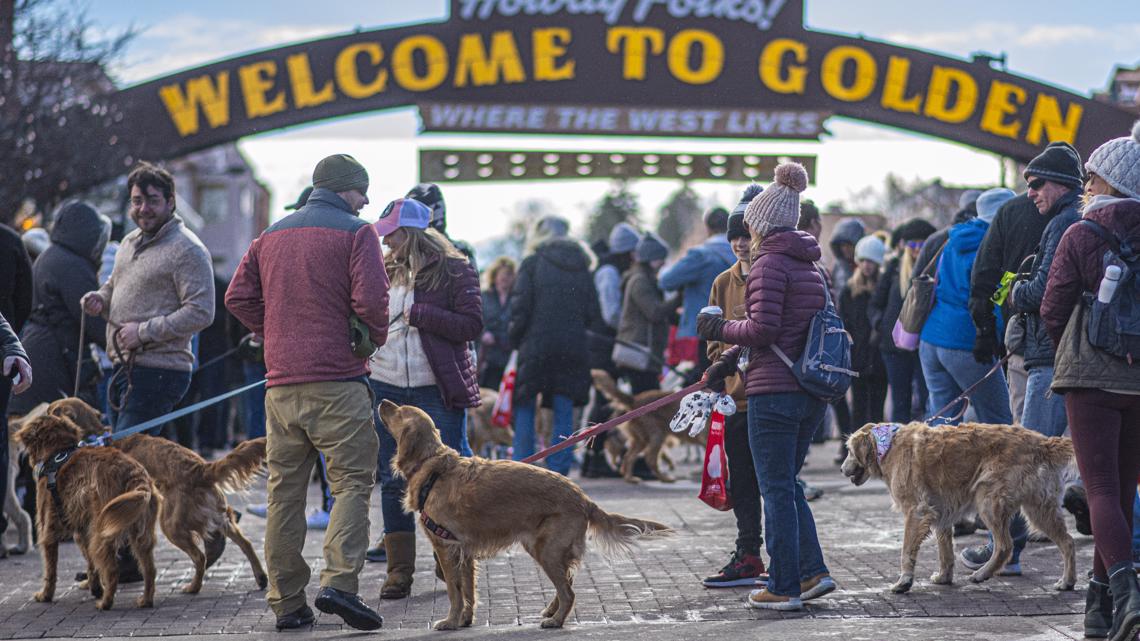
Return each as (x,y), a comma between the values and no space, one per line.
(779,204)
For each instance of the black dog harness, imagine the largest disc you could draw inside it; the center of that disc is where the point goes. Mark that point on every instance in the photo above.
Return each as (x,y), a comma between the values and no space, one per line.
(49,469)
(432,526)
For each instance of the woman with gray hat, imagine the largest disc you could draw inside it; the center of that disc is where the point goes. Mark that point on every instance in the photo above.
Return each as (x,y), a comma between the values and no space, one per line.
(645,315)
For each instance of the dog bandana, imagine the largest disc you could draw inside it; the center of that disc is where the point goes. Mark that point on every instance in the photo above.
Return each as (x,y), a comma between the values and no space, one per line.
(884,433)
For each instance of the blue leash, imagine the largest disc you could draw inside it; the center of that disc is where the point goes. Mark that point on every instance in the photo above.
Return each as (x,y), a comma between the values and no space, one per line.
(107,439)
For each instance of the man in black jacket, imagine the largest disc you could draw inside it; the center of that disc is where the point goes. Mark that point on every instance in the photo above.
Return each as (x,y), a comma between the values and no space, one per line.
(16,282)
(14,361)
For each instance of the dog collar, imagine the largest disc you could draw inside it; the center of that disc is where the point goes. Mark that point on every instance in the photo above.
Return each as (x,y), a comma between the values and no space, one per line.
(884,434)
(429,524)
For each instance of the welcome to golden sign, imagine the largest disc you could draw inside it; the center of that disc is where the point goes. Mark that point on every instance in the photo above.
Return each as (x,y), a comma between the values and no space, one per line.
(747,54)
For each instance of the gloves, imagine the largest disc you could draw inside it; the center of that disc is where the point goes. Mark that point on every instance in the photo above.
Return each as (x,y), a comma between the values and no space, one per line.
(716,373)
(710,328)
(987,347)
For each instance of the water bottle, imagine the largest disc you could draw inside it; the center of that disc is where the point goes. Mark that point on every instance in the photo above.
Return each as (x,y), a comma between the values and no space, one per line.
(1108,284)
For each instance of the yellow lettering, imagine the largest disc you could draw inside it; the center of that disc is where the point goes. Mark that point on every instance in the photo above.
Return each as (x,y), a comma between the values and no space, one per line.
(404,68)
(772,72)
(201,92)
(634,53)
(943,80)
(549,46)
(894,87)
(1046,120)
(473,64)
(348,73)
(256,81)
(831,74)
(712,56)
(1004,99)
(301,75)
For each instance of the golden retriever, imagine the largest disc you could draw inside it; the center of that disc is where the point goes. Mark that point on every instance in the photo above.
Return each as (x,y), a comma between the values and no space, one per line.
(646,435)
(480,431)
(479,508)
(194,509)
(937,475)
(104,497)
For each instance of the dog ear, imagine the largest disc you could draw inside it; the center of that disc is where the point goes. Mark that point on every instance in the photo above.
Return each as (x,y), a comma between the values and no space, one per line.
(862,444)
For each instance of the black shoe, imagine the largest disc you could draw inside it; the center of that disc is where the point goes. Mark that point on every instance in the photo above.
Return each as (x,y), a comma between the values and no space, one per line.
(300,617)
(349,607)
(80,577)
(1125,591)
(1098,611)
(595,466)
(129,573)
(1077,503)
(641,470)
(378,554)
(965,527)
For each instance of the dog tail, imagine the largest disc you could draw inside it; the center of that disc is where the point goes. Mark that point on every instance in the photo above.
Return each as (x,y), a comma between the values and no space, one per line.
(616,534)
(236,470)
(619,400)
(124,511)
(1059,455)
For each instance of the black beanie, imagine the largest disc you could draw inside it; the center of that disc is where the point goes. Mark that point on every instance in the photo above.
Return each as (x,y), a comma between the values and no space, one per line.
(430,195)
(1059,163)
(737,228)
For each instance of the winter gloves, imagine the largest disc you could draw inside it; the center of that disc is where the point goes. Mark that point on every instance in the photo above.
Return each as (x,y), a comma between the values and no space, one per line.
(717,372)
(987,347)
(710,327)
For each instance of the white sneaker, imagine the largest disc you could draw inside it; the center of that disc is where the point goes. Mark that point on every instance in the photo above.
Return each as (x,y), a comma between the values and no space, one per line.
(765,600)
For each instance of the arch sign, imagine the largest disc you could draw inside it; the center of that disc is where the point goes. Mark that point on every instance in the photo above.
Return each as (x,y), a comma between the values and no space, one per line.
(717,68)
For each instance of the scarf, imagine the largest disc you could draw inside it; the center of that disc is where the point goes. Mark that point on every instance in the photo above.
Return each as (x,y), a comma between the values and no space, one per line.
(884,434)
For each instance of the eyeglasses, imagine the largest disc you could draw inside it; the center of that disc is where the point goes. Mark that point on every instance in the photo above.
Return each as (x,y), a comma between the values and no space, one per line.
(1036,184)
(915,244)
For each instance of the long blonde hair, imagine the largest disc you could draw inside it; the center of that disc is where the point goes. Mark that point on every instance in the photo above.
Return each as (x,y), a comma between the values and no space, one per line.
(906,268)
(422,259)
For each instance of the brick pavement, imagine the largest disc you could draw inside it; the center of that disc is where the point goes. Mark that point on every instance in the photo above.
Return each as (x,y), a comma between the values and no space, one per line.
(658,585)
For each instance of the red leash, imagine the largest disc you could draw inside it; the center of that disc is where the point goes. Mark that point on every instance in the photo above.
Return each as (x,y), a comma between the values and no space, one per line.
(614,422)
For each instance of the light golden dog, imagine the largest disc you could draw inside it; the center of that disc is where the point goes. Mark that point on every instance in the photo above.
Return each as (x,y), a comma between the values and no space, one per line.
(480,431)
(646,435)
(194,509)
(938,475)
(104,497)
(472,508)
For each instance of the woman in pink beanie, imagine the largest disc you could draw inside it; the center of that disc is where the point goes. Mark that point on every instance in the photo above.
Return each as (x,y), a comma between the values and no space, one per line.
(784,291)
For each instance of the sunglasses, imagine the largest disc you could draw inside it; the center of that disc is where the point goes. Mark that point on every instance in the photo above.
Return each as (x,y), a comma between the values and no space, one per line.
(915,244)
(1036,184)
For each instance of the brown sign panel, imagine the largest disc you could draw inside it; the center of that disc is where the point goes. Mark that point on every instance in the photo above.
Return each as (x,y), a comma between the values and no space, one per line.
(739,55)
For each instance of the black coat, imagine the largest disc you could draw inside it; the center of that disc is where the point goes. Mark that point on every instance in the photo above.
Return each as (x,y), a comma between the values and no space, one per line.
(66,271)
(553,304)
(885,305)
(1013,235)
(854,310)
(16,283)
(496,319)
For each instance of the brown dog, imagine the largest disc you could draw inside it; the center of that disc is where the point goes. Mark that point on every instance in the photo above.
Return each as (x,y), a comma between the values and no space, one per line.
(472,508)
(646,435)
(194,508)
(480,431)
(103,496)
(938,475)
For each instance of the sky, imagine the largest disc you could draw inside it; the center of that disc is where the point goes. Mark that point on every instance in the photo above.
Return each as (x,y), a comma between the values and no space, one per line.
(1071,46)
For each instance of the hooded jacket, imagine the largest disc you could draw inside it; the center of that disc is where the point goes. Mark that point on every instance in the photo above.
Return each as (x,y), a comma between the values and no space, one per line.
(1078,266)
(848,230)
(784,291)
(1014,234)
(552,305)
(645,314)
(694,275)
(1025,298)
(949,324)
(66,271)
(16,286)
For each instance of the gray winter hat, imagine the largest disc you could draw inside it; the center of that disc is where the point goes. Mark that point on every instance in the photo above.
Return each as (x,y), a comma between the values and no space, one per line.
(623,238)
(1118,163)
(650,248)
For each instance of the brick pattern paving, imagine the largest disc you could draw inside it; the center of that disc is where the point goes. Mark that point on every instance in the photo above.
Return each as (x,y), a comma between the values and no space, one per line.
(659,583)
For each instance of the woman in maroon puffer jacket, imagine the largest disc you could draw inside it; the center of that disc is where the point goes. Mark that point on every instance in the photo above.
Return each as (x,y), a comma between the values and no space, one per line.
(784,291)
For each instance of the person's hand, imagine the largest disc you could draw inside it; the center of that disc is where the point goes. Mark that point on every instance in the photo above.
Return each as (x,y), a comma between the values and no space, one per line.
(710,327)
(92,303)
(716,373)
(488,338)
(14,365)
(129,336)
(987,348)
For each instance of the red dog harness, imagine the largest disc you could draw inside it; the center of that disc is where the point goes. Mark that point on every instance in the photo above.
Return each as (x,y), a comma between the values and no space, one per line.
(432,526)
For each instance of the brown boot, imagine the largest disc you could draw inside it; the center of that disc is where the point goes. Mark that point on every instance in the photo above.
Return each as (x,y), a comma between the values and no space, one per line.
(401,547)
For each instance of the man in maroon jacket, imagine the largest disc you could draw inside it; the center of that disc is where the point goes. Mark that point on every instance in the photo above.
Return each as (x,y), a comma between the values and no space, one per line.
(297,286)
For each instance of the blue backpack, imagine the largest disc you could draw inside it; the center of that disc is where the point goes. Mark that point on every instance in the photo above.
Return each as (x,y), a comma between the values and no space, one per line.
(824,367)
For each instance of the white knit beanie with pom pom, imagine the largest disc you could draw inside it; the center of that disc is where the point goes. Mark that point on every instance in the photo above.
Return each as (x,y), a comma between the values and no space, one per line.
(779,204)
(1118,163)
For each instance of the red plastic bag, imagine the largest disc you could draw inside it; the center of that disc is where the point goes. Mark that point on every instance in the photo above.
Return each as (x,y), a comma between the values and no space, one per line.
(714,476)
(503,413)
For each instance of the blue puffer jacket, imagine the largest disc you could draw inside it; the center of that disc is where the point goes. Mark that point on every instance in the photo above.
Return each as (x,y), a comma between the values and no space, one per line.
(694,274)
(949,324)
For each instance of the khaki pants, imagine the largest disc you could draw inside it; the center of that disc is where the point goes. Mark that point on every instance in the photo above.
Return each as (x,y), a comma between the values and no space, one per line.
(1018,378)
(334,418)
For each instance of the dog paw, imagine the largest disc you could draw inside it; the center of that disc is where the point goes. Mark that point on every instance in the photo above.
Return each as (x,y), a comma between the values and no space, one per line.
(665,478)
(18,550)
(633,479)
(143,602)
(1063,586)
(42,597)
(903,585)
(551,622)
(104,604)
(445,624)
(978,577)
(262,582)
(942,578)
(192,589)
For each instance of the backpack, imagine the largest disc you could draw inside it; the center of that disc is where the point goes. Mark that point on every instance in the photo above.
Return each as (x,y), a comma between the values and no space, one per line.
(1114,327)
(824,367)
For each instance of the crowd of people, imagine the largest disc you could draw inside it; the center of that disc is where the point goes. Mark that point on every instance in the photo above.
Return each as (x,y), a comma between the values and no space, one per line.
(1012,278)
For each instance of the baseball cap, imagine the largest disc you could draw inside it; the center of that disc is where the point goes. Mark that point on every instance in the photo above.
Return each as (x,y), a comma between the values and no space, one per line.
(403,212)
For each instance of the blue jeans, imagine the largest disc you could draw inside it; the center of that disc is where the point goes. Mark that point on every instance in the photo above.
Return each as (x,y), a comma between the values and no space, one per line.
(253,401)
(452,426)
(1044,412)
(152,393)
(904,375)
(780,427)
(563,427)
(949,372)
